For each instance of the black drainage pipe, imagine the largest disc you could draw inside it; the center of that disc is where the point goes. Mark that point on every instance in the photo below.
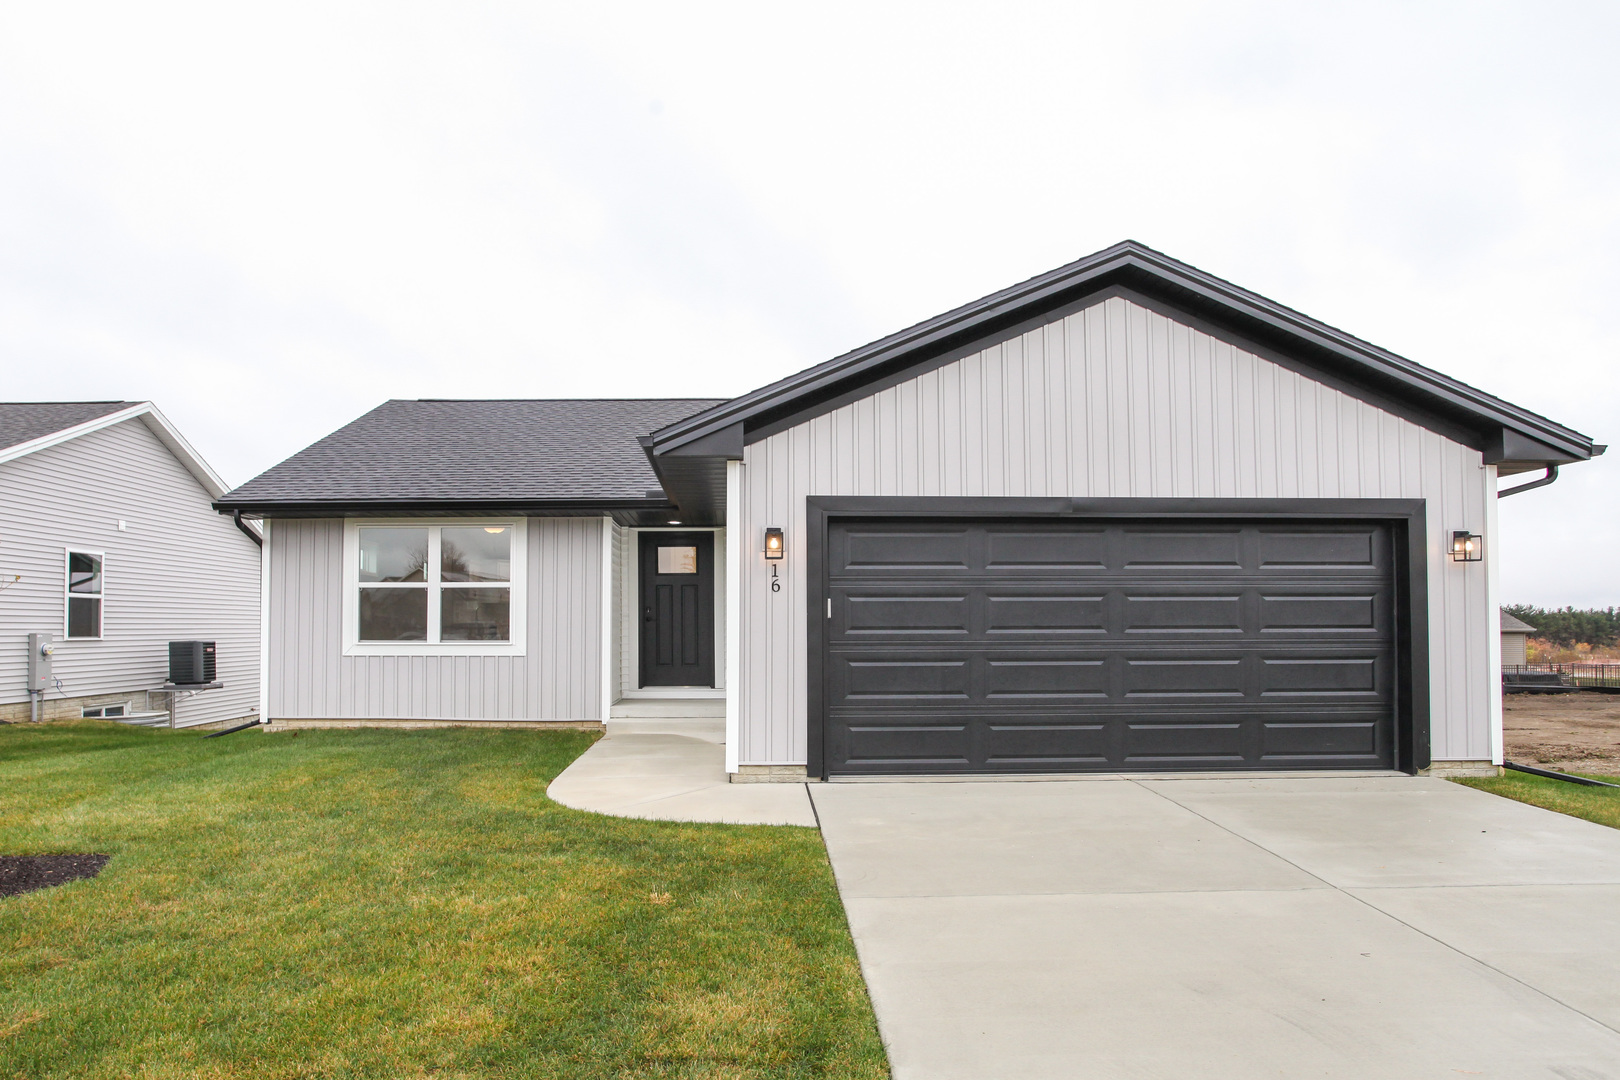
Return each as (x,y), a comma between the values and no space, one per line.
(239,727)
(1549,774)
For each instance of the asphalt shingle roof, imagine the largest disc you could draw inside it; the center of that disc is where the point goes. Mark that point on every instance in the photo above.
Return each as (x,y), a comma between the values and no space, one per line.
(477,451)
(24,421)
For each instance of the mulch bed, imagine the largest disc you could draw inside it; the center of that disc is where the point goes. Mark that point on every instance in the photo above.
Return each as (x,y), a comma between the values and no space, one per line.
(25,873)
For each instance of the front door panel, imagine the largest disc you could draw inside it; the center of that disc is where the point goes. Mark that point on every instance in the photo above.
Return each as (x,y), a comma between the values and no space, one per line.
(677,609)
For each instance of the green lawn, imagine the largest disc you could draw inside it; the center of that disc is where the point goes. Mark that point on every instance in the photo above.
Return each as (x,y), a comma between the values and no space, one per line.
(402,904)
(1601,805)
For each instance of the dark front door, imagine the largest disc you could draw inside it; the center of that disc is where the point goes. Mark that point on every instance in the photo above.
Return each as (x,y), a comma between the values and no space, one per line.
(1005,646)
(677,609)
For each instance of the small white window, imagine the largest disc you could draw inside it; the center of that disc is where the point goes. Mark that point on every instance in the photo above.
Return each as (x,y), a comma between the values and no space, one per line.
(84,594)
(435,587)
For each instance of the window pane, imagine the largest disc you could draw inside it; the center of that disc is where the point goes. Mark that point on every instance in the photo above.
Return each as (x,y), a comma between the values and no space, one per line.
(475,615)
(84,573)
(393,614)
(677,560)
(393,554)
(483,553)
(84,616)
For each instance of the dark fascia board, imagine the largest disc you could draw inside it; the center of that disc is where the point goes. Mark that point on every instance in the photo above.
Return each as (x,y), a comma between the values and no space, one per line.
(446,508)
(1453,405)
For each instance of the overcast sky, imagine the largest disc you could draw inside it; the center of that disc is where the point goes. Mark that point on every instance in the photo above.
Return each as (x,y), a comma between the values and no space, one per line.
(269,219)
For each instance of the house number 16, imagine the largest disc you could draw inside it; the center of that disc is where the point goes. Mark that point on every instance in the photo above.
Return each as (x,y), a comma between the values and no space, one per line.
(776,582)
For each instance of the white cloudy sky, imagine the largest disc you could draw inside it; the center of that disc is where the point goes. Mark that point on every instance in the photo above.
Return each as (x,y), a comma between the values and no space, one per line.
(268,218)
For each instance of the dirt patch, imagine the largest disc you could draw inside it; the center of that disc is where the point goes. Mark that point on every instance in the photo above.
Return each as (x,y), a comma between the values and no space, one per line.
(1566,732)
(25,873)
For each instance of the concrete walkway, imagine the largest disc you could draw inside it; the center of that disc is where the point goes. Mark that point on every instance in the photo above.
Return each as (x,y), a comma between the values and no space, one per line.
(673,770)
(1358,928)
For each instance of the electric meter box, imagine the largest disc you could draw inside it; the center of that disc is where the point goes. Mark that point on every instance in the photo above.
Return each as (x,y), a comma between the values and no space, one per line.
(40,648)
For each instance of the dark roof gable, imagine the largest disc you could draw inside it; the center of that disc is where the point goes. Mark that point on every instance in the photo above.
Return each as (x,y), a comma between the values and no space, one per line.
(1508,434)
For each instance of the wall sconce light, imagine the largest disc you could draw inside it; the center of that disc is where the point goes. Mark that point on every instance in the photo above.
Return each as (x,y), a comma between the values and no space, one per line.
(773,543)
(1466,547)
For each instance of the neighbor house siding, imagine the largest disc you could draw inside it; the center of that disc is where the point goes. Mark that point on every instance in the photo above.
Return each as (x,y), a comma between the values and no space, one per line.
(557,678)
(179,571)
(1111,401)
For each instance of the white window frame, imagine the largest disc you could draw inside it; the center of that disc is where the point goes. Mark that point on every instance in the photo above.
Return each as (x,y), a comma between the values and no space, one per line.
(67,577)
(353,646)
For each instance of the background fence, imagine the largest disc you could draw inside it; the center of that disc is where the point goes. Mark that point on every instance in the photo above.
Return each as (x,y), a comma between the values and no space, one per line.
(1595,676)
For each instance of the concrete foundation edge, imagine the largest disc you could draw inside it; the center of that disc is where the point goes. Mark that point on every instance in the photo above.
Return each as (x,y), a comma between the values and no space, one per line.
(769,774)
(1447,769)
(411,725)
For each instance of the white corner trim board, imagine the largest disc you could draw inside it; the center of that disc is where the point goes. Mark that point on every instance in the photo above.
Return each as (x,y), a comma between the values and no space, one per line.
(734,628)
(605,655)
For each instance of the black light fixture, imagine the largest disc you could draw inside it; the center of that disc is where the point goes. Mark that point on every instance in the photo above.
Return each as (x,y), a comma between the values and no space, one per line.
(1466,547)
(773,543)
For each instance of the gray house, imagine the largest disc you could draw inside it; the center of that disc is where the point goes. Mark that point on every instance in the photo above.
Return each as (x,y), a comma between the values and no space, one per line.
(109,547)
(1122,516)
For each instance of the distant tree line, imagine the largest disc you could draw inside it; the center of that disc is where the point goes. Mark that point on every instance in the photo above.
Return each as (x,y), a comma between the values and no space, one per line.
(1569,627)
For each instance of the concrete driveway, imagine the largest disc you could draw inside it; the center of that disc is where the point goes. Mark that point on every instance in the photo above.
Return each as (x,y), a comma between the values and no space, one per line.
(1328,927)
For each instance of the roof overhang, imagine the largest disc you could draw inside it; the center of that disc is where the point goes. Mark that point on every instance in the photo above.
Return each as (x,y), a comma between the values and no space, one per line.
(627,512)
(689,455)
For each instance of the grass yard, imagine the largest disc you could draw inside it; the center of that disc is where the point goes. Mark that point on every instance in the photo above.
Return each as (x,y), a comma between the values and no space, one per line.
(402,904)
(1601,805)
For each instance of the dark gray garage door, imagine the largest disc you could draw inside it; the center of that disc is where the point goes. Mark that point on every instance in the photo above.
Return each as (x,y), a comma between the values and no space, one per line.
(959,646)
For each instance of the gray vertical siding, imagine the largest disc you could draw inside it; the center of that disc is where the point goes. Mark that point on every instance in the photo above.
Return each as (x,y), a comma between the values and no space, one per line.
(180,571)
(1112,401)
(558,678)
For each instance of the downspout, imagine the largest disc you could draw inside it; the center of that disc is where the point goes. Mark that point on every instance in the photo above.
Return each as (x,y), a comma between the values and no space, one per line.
(236,516)
(1552,474)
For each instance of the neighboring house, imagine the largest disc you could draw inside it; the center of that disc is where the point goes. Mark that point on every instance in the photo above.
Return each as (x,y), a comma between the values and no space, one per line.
(1122,516)
(1515,633)
(109,544)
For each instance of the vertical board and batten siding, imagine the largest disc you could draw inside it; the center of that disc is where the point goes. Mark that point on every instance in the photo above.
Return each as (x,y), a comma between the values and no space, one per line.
(180,571)
(557,678)
(1114,401)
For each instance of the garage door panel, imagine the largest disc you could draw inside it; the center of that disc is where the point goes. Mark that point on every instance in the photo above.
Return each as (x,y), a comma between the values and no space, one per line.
(1310,612)
(1048,616)
(1185,742)
(1056,744)
(1171,613)
(1125,645)
(1179,549)
(903,680)
(1048,549)
(1031,679)
(1319,677)
(1342,739)
(938,549)
(900,615)
(1323,547)
(1184,678)
(869,744)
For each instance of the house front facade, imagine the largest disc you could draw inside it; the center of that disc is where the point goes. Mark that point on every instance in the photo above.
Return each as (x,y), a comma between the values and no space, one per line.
(1122,517)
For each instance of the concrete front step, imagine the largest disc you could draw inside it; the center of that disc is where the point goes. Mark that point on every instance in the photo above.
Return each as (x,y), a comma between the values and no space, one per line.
(664,708)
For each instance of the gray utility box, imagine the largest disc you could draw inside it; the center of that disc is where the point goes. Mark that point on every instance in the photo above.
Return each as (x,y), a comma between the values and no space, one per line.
(191,663)
(40,648)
